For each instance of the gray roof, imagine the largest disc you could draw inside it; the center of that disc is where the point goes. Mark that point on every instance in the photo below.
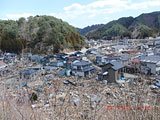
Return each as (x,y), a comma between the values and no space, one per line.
(151,59)
(90,68)
(81,63)
(85,69)
(116,65)
(100,55)
(28,72)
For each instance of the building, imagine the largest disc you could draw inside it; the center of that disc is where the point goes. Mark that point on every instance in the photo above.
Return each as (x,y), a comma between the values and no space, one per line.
(57,64)
(30,74)
(2,66)
(101,59)
(150,64)
(82,68)
(111,71)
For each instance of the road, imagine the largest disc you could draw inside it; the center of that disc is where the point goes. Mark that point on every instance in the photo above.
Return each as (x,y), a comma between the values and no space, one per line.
(83,50)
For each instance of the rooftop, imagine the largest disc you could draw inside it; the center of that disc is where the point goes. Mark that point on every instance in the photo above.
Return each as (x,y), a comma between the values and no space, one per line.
(151,59)
(81,63)
(116,64)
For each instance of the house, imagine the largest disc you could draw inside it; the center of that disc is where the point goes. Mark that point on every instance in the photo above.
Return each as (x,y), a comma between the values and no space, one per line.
(150,43)
(57,64)
(82,68)
(45,60)
(91,51)
(50,68)
(78,53)
(111,71)
(123,42)
(5,72)
(150,64)
(119,48)
(29,74)
(10,57)
(133,66)
(61,56)
(70,60)
(101,59)
(2,66)
(1,58)
(35,58)
(126,58)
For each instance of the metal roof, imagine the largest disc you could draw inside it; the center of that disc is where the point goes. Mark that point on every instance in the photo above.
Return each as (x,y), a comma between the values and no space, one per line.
(151,59)
(116,64)
(81,63)
(28,72)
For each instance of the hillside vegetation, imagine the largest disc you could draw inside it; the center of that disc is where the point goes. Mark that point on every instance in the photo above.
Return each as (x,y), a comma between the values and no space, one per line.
(41,34)
(145,25)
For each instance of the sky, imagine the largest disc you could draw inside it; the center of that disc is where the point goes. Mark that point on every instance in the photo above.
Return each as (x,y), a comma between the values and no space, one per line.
(79,13)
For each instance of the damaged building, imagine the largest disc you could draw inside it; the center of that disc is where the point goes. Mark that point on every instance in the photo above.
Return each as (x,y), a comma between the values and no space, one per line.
(111,71)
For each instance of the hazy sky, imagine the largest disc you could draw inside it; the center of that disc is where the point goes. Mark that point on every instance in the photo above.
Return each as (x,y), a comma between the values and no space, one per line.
(79,13)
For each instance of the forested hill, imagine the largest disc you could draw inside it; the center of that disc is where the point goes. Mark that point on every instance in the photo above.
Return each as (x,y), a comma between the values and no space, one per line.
(42,34)
(145,25)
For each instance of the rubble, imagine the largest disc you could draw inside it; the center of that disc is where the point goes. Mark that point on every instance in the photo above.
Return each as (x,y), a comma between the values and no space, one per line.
(64,95)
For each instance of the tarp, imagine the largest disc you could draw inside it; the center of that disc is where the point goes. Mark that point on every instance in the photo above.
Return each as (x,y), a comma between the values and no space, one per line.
(24,84)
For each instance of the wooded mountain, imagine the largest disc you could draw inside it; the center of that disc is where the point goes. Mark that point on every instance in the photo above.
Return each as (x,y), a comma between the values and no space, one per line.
(145,25)
(87,29)
(43,34)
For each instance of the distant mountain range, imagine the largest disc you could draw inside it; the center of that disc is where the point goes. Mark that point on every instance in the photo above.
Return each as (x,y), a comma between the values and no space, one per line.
(145,25)
(87,29)
(47,34)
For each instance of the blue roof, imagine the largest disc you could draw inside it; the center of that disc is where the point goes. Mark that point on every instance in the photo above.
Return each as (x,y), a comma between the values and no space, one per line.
(24,84)
(122,78)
